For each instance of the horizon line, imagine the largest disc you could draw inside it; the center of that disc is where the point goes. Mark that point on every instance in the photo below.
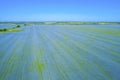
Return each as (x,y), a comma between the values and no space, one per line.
(59,21)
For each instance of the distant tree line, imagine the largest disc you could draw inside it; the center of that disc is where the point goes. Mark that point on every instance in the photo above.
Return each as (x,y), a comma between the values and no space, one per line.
(3,29)
(17,26)
(6,29)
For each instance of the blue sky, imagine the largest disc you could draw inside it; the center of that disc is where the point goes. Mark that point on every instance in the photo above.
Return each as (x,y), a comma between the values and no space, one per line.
(59,10)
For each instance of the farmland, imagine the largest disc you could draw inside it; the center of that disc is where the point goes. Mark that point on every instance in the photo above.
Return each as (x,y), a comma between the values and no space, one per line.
(61,52)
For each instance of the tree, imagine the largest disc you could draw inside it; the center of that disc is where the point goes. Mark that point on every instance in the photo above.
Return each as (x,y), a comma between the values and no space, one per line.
(17,26)
(5,29)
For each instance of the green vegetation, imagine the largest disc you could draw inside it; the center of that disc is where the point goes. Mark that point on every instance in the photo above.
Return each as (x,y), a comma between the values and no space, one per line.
(63,52)
(2,30)
(10,30)
(98,30)
(66,38)
(19,24)
(14,29)
(115,32)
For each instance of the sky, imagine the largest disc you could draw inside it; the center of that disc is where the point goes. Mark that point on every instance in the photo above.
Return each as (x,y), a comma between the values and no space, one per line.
(60,10)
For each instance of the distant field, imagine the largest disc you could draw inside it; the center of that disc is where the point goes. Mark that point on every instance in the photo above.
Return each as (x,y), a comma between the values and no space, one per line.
(61,52)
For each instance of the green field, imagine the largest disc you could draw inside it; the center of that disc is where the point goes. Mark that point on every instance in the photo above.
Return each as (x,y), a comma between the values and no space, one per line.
(60,52)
